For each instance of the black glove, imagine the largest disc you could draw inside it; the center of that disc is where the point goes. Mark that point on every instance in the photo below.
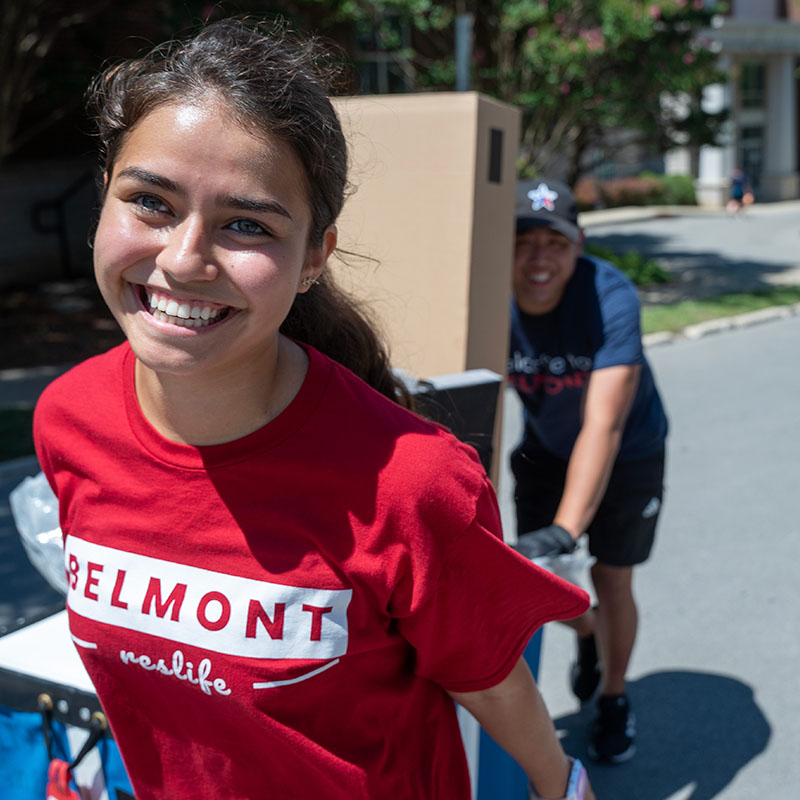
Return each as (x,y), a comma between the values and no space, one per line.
(550,541)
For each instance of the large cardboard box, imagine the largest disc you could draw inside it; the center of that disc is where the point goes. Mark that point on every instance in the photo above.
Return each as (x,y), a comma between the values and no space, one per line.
(432,215)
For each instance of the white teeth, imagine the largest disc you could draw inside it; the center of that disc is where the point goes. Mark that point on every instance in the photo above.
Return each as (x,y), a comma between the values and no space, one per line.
(182,314)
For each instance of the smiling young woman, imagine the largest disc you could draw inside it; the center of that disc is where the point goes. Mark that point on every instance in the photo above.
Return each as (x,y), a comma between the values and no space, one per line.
(201,267)
(279,577)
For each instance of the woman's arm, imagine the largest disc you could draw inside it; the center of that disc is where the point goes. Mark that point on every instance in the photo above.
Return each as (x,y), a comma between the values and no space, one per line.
(514,715)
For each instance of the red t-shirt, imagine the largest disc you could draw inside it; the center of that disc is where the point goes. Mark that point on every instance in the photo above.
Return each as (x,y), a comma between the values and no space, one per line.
(279,616)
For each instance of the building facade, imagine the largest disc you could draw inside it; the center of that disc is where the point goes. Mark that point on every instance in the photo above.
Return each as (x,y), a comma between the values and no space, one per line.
(759,47)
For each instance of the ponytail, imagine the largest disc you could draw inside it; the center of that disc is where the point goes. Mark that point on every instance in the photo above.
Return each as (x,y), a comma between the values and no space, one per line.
(331,321)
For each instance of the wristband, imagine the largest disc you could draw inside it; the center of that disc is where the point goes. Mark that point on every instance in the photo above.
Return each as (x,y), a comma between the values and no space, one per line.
(578,780)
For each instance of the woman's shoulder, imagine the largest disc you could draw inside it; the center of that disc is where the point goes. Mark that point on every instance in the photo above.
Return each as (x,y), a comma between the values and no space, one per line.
(409,443)
(85,384)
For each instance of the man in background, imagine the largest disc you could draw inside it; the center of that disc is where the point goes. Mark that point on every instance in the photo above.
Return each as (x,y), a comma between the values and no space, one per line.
(592,456)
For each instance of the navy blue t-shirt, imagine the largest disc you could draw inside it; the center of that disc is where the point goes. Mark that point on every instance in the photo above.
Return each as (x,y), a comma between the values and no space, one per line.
(595,325)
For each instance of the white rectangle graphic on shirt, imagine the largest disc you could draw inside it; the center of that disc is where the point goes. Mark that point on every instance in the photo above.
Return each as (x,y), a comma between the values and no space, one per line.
(212,610)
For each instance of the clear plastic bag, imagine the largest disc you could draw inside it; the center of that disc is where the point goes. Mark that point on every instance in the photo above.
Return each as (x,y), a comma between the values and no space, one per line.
(572,567)
(35,511)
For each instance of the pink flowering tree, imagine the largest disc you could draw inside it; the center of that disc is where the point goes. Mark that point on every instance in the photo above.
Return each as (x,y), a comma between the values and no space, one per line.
(580,69)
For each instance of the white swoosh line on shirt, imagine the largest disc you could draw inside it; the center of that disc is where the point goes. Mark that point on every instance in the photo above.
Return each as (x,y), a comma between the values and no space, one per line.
(274,684)
(82,643)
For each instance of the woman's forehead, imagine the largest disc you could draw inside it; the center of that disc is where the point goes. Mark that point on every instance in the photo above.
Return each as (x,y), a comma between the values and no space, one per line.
(212,128)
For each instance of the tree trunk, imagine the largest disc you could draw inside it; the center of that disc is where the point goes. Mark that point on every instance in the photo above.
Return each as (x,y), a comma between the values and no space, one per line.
(579,146)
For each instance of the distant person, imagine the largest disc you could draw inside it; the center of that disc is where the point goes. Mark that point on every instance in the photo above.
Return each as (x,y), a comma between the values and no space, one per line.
(592,456)
(280,578)
(741,192)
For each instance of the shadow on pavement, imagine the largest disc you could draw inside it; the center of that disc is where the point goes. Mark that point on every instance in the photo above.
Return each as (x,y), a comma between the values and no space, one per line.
(695,732)
(698,273)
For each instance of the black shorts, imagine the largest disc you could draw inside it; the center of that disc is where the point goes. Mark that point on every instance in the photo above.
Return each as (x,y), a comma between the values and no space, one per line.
(624,527)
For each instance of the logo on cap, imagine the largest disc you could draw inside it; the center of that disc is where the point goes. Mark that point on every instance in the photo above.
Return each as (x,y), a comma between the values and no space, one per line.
(543,197)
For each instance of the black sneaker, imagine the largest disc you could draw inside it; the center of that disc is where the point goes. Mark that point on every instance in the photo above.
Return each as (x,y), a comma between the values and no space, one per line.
(585,672)
(614,730)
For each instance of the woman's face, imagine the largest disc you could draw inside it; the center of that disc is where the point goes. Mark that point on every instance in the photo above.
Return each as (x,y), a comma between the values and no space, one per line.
(202,242)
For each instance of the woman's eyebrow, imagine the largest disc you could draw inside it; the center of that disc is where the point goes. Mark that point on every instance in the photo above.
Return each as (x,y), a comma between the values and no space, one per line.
(246,204)
(152,178)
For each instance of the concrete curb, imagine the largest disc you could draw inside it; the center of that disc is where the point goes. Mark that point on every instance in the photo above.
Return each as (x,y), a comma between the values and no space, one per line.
(20,373)
(722,324)
(611,216)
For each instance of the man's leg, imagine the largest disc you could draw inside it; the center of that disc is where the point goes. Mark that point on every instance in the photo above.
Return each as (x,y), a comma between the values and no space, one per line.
(620,536)
(613,732)
(616,621)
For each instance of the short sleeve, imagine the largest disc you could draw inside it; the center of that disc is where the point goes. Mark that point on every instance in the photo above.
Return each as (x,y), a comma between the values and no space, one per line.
(622,336)
(487,603)
(41,422)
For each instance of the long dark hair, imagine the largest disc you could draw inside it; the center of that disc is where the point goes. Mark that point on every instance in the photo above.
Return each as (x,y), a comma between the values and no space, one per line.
(274,83)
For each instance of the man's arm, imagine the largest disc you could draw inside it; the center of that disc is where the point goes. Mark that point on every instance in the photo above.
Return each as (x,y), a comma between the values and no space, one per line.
(607,402)
(515,716)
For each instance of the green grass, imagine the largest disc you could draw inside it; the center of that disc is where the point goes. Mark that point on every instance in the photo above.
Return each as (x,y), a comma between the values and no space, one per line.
(16,435)
(677,316)
(641,270)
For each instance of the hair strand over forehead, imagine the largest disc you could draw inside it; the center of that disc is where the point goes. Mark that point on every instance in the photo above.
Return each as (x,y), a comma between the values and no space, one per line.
(274,82)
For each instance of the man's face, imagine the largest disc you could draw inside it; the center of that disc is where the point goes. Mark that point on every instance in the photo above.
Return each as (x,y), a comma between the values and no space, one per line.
(544,261)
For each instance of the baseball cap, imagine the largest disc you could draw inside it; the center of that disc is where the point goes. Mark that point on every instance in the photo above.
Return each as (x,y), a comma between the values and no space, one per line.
(547,203)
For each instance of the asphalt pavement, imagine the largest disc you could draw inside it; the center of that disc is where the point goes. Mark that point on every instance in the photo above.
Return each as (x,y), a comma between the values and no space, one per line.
(714,677)
(708,252)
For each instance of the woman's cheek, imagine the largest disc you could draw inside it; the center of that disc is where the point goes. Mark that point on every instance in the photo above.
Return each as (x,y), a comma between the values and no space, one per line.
(120,240)
(262,271)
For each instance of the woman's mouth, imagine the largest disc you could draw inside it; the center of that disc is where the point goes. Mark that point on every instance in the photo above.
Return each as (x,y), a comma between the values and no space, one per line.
(181,312)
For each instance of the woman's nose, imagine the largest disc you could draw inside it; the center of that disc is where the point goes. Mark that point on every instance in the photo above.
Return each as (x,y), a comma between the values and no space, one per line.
(188,253)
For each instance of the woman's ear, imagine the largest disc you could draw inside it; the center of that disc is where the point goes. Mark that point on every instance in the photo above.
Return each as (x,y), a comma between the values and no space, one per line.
(317,257)
(329,240)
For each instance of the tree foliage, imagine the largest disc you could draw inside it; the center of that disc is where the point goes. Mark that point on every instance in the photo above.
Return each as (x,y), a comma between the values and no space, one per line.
(28,31)
(578,69)
(49,50)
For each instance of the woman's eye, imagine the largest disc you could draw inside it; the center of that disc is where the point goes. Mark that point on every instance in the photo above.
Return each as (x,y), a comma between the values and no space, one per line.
(149,202)
(247,226)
